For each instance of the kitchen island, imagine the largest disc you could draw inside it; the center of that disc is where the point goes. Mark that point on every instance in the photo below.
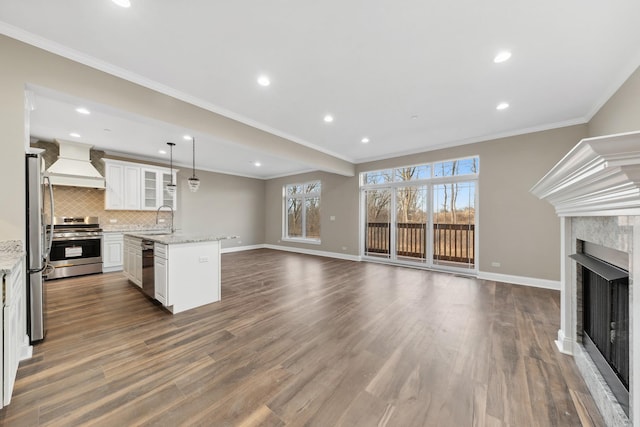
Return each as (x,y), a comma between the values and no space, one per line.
(181,271)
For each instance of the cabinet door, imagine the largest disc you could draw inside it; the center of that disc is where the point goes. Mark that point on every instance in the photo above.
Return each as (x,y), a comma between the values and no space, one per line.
(160,276)
(114,191)
(168,199)
(150,189)
(131,188)
(14,332)
(113,251)
(125,258)
(137,269)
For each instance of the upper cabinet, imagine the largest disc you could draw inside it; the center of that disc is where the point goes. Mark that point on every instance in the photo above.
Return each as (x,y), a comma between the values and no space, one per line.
(154,184)
(134,186)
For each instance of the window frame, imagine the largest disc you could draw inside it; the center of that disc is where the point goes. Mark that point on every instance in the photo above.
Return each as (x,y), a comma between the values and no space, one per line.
(303,199)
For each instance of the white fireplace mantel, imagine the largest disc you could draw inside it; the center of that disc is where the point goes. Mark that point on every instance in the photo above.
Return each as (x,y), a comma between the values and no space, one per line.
(600,179)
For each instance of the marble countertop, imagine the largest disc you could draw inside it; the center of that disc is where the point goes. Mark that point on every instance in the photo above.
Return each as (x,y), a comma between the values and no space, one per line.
(11,253)
(177,238)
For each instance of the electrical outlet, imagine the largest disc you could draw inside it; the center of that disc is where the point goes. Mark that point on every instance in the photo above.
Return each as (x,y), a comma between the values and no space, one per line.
(113,221)
(239,241)
(160,220)
(344,248)
(332,218)
(495,264)
(203,259)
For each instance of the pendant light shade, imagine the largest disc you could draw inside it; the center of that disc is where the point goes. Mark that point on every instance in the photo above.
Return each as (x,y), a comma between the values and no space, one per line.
(171,187)
(194,182)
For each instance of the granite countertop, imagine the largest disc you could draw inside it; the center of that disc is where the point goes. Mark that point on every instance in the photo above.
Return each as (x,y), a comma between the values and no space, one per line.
(176,238)
(11,253)
(133,228)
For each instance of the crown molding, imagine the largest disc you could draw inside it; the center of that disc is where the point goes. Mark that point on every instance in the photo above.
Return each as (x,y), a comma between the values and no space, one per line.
(598,177)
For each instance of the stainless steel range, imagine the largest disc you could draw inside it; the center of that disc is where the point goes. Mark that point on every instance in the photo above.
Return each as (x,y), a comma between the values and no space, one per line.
(76,247)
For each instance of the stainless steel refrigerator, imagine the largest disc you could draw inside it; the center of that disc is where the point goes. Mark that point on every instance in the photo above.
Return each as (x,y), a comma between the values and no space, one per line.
(38,244)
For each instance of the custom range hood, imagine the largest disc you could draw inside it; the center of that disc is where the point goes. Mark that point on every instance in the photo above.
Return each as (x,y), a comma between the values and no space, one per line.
(73,167)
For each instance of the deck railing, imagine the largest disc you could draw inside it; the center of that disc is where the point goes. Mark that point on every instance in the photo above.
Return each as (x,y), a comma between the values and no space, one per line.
(451,242)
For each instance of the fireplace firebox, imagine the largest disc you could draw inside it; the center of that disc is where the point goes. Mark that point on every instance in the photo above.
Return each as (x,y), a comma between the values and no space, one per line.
(605,321)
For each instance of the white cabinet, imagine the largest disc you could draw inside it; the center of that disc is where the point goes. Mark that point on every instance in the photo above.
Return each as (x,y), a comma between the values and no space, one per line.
(132,263)
(135,186)
(154,183)
(160,273)
(122,190)
(112,252)
(15,327)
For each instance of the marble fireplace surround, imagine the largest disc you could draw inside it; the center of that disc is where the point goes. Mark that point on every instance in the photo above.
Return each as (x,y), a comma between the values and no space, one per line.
(595,190)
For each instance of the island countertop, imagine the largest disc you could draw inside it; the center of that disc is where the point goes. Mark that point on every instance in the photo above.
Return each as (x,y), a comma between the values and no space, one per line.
(179,238)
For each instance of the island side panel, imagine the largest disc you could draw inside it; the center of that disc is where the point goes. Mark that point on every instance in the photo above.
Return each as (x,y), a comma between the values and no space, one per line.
(193,274)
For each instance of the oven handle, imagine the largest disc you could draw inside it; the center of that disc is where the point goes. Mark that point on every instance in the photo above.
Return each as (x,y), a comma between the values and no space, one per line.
(65,239)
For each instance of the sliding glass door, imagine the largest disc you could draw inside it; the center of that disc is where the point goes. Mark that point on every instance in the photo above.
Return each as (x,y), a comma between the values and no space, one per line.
(422,214)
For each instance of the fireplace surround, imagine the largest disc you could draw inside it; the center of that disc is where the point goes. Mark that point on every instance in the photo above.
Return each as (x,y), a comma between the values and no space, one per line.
(595,190)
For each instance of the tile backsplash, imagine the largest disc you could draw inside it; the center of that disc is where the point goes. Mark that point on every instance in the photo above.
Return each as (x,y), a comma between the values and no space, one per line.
(78,201)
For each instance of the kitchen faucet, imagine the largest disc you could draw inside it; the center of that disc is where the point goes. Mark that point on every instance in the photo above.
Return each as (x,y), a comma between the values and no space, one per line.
(158,212)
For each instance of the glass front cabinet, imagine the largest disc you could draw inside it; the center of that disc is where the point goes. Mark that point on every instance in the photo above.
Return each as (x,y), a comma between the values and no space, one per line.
(155,192)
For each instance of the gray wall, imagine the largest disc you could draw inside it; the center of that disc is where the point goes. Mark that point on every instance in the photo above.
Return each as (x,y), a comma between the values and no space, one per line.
(621,113)
(339,198)
(515,228)
(223,205)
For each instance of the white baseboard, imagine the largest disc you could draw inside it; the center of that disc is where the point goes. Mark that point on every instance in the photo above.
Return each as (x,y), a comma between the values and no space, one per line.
(520,280)
(111,269)
(564,344)
(315,252)
(241,248)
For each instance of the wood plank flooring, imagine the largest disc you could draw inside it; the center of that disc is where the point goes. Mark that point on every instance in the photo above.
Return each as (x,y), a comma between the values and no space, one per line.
(301,340)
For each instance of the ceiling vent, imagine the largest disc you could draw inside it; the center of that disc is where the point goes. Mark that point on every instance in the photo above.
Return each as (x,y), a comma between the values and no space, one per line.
(74,167)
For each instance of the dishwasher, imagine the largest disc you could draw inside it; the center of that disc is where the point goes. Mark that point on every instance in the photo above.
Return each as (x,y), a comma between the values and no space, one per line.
(148,280)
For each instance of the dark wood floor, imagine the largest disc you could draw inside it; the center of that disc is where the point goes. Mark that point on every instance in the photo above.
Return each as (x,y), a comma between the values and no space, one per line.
(301,340)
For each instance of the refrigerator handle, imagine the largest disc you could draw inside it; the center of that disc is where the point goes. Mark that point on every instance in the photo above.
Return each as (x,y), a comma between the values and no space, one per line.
(51,209)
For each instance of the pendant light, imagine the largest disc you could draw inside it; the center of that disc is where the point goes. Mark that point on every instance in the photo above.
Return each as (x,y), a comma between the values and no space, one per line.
(171,187)
(194,182)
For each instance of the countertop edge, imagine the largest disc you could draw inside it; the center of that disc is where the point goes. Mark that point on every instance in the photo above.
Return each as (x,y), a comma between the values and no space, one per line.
(177,238)
(11,255)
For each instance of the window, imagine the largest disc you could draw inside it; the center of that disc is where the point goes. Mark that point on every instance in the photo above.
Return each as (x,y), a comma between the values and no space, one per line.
(302,212)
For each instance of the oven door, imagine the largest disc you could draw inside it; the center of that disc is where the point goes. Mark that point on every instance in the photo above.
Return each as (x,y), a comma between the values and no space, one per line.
(73,256)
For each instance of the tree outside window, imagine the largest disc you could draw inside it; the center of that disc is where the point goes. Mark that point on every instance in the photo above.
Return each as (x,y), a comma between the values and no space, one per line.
(302,217)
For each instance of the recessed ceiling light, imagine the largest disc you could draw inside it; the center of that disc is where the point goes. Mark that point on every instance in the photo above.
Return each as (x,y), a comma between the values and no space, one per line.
(122,3)
(107,130)
(74,134)
(188,137)
(257,164)
(502,56)
(328,118)
(162,152)
(414,117)
(83,110)
(365,140)
(264,80)
(502,106)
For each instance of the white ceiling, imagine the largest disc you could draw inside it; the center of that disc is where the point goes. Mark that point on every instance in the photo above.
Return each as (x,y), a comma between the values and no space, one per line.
(412,75)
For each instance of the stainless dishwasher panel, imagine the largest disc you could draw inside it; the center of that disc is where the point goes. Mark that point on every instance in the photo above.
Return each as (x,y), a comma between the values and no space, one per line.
(148,279)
